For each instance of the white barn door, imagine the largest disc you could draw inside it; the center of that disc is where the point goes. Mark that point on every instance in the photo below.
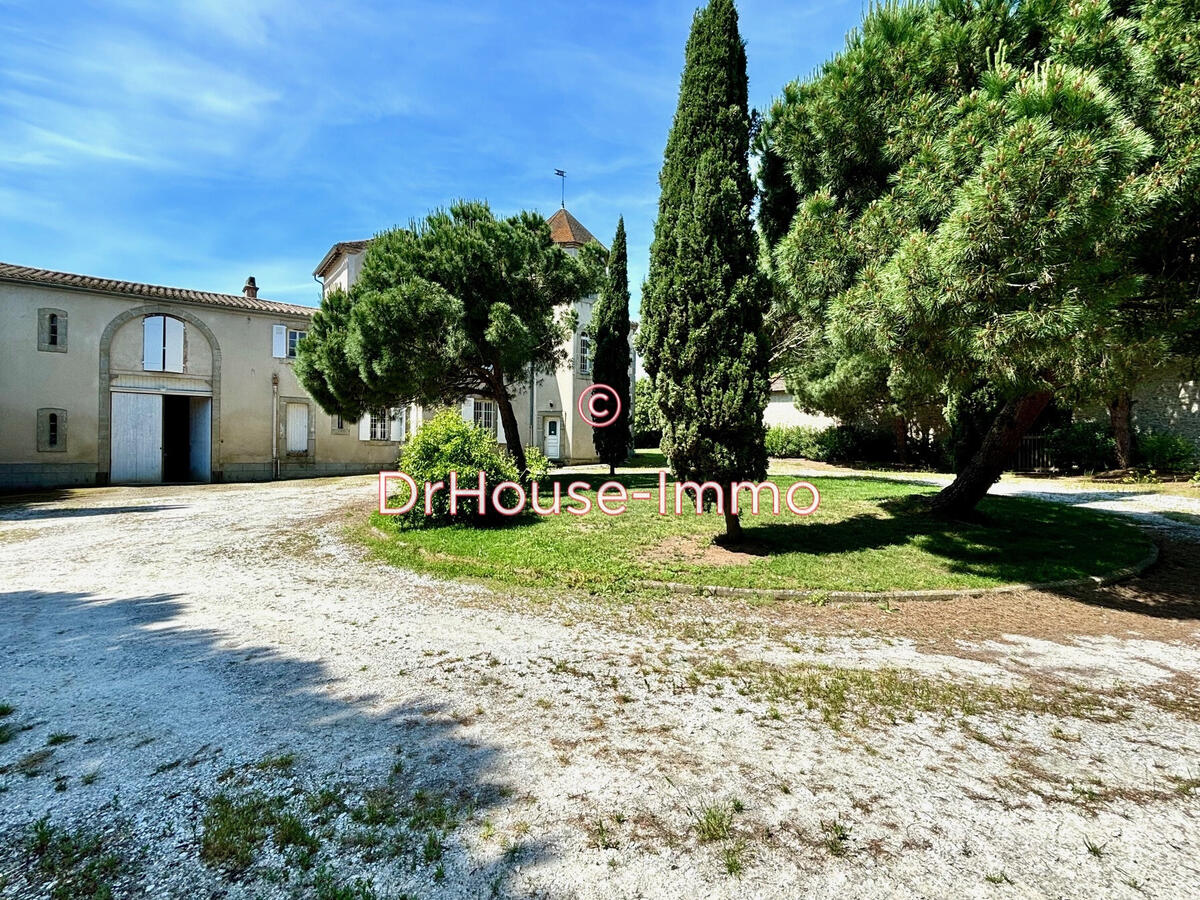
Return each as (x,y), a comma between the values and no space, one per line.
(297,428)
(137,428)
(200,436)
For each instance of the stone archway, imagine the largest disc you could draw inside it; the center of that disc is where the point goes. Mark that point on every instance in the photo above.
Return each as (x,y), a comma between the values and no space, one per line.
(104,435)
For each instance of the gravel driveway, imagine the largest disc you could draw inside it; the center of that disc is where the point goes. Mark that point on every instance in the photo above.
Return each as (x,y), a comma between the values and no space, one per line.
(168,646)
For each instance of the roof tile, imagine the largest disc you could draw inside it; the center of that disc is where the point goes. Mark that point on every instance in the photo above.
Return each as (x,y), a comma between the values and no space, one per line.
(49,278)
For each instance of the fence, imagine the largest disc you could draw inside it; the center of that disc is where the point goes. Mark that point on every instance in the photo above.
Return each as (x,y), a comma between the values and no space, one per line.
(1033,455)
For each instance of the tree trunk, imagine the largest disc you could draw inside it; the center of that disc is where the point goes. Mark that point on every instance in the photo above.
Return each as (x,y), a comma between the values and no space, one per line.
(511,435)
(900,429)
(733,521)
(1119,414)
(999,444)
(612,470)
(733,528)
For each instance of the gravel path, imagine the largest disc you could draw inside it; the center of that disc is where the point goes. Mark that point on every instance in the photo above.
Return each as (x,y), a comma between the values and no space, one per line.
(227,639)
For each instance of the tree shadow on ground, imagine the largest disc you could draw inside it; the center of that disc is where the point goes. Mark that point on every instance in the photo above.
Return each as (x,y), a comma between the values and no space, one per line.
(163,709)
(1170,589)
(25,513)
(993,544)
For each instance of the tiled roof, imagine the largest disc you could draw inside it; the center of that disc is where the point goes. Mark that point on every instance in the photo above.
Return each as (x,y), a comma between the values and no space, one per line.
(48,278)
(337,250)
(566,229)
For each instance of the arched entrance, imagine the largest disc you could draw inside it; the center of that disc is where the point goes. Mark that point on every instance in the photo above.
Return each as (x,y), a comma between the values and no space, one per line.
(160,396)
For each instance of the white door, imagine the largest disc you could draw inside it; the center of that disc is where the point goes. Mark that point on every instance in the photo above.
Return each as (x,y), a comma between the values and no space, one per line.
(137,427)
(297,428)
(552,442)
(200,433)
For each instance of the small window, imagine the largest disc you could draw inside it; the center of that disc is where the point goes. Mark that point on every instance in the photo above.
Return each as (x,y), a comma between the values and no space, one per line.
(485,415)
(52,330)
(338,421)
(293,339)
(585,354)
(51,430)
(162,344)
(380,425)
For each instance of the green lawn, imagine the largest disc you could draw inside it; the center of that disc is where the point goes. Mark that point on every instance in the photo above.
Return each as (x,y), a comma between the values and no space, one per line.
(869,534)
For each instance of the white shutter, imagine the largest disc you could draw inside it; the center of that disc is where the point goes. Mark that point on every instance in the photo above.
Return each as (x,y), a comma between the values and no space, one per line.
(173,345)
(279,341)
(396,427)
(152,343)
(364,427)
(468,410)
(500,439)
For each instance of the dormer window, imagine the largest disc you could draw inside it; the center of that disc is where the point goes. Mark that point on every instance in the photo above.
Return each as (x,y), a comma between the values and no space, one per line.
(162,344)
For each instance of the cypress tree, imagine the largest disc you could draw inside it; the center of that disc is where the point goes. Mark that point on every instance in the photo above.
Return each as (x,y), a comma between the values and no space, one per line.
(610,321)
(701,334)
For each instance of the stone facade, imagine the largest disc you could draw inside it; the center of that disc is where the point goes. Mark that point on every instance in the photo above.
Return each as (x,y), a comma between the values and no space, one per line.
(57,388)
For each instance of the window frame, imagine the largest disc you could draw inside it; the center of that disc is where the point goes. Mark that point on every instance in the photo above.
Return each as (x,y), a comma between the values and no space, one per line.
(294,337)
(587,357)
(491,410)
(166,344)
(52,423)
(60,330)
(381,417)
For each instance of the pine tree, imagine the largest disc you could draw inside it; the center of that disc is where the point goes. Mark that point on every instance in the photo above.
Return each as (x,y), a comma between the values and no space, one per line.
(997,212)
(457,304)
(701,334)
(612,357)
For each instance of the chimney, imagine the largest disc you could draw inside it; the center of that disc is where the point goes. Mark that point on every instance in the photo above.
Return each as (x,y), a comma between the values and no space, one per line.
(250,289)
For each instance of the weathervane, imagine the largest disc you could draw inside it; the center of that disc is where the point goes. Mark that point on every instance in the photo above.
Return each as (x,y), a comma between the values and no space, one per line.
(563,175)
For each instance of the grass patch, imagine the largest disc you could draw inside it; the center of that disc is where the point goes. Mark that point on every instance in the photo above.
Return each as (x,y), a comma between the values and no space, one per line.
(76,865)
(30,765)
(6,709)
(60,737)
(887,696)
(233,828)
(869,534)
(733,858)
(326,886)
(281,763)
(714,822)
(837,837)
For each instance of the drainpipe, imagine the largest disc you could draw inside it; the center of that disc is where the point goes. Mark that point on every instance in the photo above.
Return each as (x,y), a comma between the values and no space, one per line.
(535,439)
(275,425)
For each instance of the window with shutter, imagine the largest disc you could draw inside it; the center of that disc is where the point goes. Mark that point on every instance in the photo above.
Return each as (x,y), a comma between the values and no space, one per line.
(279,341)
(162,344)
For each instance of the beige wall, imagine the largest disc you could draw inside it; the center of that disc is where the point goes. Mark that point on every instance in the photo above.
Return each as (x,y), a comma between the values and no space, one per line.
(31,379)
(781,410)
(1165,403)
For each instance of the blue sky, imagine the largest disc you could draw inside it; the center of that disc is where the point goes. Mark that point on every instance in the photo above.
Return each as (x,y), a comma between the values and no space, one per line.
(194,144)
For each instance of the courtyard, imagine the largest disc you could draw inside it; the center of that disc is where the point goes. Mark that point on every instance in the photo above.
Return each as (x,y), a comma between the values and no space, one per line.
(221,690)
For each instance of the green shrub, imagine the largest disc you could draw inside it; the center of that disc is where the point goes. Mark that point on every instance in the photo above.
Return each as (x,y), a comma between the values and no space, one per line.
(447,444)
(1166,452)
(1088,446)
(841,443)
(537,462)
